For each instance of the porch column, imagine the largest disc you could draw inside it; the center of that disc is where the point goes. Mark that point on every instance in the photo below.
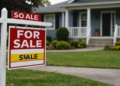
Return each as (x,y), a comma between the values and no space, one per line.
(63,19)
(66,19)
(88,18)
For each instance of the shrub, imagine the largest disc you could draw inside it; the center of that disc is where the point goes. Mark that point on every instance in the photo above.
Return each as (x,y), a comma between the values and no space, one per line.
(117,43)
(49,38)
(62,34)
(47,43)
(80,40)
(47,48)
(81,45)
(63,45)
(74,44)
(116,48)
(107,47)
(54,43)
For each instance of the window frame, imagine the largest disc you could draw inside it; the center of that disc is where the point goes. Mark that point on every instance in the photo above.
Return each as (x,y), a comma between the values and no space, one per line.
(80,21)
(50,28)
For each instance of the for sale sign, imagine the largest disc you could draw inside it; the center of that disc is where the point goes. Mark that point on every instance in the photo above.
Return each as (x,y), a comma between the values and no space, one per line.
(26,47)
(25,16)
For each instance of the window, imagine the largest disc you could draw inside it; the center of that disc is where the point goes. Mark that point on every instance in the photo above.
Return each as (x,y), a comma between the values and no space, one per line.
(50,18)
(83,20)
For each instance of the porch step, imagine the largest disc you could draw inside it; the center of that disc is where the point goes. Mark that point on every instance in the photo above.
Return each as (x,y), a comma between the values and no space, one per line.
(101,42)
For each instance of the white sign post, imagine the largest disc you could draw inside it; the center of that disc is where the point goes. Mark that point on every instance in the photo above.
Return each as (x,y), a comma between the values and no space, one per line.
(4,21)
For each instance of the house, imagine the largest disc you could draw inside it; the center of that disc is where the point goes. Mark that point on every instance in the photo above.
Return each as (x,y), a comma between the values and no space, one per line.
(83,18)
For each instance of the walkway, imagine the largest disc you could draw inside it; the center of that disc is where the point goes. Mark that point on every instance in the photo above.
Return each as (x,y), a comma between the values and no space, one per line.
(111,76)
(77,50)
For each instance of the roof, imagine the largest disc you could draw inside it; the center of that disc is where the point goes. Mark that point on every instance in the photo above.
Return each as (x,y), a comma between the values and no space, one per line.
(50,9)
(58,7)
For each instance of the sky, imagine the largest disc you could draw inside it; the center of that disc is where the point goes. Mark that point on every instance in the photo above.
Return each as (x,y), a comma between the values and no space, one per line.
(56,1)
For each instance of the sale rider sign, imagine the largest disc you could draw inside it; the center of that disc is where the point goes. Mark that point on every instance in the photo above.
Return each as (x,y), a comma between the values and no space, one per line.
(26,47)
(25,16)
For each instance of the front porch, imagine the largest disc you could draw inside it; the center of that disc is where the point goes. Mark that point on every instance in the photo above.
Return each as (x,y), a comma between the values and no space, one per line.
(82,23)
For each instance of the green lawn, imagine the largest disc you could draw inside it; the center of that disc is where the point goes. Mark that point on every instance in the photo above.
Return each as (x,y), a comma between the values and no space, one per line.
(37,78)
(95,59)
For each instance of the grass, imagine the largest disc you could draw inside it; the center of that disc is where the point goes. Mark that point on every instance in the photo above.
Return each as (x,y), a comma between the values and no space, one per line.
(37,78)
(94,59)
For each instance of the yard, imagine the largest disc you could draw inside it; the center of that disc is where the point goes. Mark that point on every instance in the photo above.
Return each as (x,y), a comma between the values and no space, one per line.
(94,59)
(37,78)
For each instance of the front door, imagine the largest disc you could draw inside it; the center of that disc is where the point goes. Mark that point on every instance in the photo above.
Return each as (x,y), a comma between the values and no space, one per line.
(106,24)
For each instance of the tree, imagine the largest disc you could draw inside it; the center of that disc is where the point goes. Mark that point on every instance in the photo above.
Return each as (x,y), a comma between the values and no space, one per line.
(21,5)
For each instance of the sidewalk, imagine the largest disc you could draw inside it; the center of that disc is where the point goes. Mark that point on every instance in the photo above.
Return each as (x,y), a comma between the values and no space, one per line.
(77,50)
(111,76)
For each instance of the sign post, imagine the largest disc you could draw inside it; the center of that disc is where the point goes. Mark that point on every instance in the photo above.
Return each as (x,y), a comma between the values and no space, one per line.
(26,47)
(4,21)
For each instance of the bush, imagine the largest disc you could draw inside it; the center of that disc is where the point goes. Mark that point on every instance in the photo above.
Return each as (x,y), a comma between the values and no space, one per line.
(74,44)
(116,48)
(82,44)
(62,34)
(117,43)
(49,38)
(47,43)
(107,47)
(63,45)
(54,43)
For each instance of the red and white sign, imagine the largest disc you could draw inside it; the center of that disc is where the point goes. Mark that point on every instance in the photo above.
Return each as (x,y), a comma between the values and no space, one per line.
(27,47)
(25,16)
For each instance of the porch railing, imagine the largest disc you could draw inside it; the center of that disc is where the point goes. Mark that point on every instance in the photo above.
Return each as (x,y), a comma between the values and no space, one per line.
(77,31)
(116,33)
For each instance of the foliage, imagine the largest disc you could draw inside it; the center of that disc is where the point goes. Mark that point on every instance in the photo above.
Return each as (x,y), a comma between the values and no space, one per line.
(117,43)
(74,44)
(107,47)
(92,59)
(80,40)
(116,48)
(81,44)
(21,5)
(63,45)
(62,34)
(47,43)
(45,3)
(49,38)
(47,48)
(24,77)
(54,43)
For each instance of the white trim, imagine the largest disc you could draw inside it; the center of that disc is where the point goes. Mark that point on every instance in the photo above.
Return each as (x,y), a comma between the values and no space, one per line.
(47,28)
(80,15)
(94,6)
(100,3)
(71,1)
(66,18)
(101,34)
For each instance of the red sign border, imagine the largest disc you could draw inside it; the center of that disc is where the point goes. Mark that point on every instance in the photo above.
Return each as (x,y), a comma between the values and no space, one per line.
(9,51)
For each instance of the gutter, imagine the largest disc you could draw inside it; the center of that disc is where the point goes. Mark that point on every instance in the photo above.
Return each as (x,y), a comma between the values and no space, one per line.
(98,3)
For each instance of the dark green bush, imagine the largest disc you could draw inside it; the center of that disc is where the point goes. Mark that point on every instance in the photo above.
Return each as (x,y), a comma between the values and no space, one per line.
(117,43)
(74,44)
(62,34)
(49,38)
(63,45)
(54,43)
(107,47)
(47,43)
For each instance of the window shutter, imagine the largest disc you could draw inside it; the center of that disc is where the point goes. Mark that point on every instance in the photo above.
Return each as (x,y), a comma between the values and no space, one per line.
(57,21)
